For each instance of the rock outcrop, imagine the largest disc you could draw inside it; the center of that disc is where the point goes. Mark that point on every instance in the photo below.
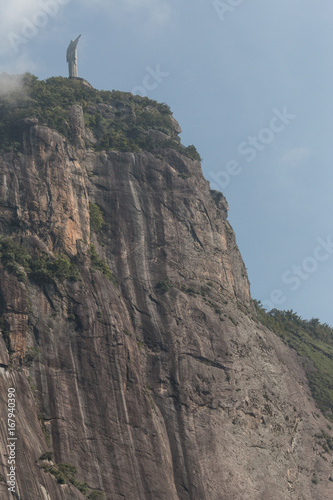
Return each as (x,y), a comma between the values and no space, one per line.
(158,384)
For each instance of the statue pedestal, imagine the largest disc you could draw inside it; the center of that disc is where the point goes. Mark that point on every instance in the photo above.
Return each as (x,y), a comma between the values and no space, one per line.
(85,82)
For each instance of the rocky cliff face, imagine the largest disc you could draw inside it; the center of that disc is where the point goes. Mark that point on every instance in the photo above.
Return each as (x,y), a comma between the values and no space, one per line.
(156,384)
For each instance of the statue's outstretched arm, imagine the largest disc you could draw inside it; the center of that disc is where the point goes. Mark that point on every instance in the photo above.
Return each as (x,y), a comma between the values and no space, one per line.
(76,41)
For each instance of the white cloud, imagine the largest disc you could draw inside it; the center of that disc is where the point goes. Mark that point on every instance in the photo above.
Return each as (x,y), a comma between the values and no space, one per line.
(156,11)
(12,12)
(159,10)
(295,157)
(291,173)
(20,22)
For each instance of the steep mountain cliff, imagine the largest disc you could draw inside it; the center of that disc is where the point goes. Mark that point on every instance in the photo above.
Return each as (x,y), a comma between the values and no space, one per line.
(128,331)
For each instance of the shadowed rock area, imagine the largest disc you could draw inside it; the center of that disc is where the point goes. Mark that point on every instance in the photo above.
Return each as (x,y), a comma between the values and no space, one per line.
(156,382)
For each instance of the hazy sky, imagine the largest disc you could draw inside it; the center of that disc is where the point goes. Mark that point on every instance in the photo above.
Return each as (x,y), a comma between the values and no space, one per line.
(251,84)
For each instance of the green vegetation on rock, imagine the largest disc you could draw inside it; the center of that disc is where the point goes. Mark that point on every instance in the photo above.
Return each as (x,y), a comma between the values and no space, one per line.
(312,341)
(51,469)
(164,286)
(65,473)
(96,495)
(96,217)
(99,263)
(45,268)
(39,266)
(31,355)
(14,257)
(119,121)
(47,456)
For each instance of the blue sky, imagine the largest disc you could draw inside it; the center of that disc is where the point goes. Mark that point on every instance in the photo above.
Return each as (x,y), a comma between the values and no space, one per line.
(251,83)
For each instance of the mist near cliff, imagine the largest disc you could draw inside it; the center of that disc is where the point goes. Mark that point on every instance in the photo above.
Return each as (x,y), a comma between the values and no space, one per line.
(10,84)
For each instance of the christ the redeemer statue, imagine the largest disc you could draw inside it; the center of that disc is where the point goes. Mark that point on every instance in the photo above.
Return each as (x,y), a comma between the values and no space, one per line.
(72,57)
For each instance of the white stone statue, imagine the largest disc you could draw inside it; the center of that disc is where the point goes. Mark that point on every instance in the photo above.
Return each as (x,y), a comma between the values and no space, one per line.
(72,57)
